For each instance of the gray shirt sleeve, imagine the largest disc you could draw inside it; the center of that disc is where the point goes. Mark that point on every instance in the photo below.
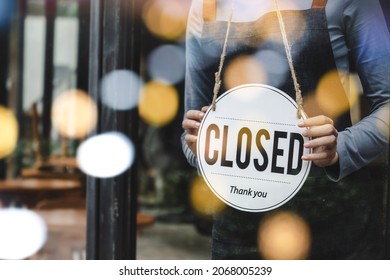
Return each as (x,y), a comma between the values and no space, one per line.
(362,27)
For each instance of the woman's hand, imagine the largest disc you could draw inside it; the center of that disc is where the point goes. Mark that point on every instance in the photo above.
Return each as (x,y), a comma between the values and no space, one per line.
(191,125)
(323,142)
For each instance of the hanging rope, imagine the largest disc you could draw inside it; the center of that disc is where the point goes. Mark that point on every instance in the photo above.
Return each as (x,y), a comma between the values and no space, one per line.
(298,93)
(218,81)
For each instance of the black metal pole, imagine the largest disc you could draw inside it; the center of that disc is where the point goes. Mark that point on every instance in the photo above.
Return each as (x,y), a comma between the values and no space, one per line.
(4,58)
(132,44)
(112,202)
(93,184)
(50,12)
(84,17)
(21,16)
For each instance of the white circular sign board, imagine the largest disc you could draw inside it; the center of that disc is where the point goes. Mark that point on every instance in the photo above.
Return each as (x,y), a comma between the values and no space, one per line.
(249,149)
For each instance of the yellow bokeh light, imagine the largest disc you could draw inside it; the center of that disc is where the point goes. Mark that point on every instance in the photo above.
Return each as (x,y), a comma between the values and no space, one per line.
(244,70)
(158,104)
(310,105)
(203,199)
(330,95)
(284,236)
(74,114)
(166,18)
(8,132)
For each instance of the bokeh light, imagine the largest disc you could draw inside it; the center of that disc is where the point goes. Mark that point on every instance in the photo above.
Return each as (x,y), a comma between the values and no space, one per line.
(284,235)
(74,114)
(203,200)
(105,155)
(7,9)
(8,132)
(120,89)
(330,95)
(274,65)
(295,26)
(244,70)
(167,64)
(22,233)
(158,104)
(166,18)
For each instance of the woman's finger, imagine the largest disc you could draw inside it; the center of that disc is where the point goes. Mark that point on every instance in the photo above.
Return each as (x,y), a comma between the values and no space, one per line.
(189,124)
(329,141)
(315,121)
(194,115)
(319,131)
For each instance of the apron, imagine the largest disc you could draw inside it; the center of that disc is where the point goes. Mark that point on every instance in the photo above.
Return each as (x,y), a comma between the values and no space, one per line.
(338,214)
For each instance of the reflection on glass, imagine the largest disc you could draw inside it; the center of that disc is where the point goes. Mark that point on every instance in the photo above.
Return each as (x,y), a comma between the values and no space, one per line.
(8,132)
(105,155)
(275,66)
(244,70)
(284,236)
(74,114)
(167,64)
(203,199)
(330,95)
(6,10)
(120,90)
(22,233)
(159,103)
(382,121)
(166,18)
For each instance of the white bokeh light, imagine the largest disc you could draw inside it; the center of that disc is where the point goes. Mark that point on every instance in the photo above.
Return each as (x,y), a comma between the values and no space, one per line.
(275,66)
(167,64)
(22,233)
(120,89)
(105,155)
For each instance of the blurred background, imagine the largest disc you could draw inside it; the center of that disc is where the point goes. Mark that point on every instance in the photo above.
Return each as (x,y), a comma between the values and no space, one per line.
(91,104)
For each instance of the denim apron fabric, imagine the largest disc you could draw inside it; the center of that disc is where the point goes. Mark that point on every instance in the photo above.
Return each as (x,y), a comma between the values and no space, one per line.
(338,214)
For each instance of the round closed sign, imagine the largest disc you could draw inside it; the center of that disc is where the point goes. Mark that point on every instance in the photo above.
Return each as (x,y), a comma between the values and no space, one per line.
(249,149)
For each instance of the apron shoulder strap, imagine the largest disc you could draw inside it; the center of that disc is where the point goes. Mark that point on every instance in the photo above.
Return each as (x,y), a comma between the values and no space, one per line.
(209,10)
(318,4)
